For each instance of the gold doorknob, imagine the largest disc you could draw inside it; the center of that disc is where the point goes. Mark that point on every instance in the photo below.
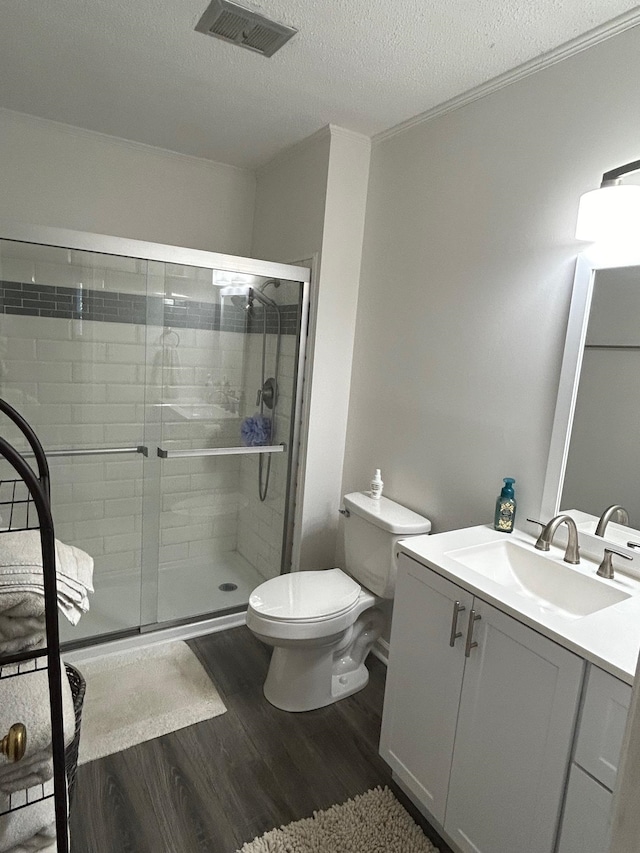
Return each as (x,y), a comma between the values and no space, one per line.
(14,745)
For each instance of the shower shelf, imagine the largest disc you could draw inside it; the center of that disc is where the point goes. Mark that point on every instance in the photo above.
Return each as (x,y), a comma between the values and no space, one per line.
(221,451)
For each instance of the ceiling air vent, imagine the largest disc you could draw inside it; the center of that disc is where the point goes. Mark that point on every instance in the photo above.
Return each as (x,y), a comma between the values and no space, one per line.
(235,24)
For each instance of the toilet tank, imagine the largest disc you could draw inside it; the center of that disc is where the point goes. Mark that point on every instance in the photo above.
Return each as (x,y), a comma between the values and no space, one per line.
(371,531)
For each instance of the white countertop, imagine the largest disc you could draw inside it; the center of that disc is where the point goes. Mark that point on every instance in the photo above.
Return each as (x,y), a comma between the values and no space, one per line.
(608,638)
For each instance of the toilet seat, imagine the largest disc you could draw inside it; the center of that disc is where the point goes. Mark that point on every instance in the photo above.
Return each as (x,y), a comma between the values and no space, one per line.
(305,596)
(306,606)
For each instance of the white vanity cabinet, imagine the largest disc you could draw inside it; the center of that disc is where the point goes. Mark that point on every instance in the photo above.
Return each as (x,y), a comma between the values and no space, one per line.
(587,809)
(479,734)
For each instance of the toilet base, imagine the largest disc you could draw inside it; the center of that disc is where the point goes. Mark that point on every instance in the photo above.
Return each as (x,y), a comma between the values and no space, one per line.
(306,676)
(292,685)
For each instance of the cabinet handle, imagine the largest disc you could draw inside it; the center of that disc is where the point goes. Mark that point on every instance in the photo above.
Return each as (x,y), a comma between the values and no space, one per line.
(473,617)
(457,608)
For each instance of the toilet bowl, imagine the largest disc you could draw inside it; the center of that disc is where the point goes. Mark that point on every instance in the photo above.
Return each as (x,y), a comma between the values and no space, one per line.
(322,624)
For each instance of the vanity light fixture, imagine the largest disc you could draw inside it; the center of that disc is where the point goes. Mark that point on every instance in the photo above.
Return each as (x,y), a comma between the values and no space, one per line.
(611,214)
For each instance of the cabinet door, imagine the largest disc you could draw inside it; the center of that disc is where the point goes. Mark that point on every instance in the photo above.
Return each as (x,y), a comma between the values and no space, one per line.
(604,717)
(424,680)
(587,810)
(517,715)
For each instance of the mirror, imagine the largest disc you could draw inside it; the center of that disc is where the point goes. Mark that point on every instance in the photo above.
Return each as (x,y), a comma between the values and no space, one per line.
(594,458)
(603,462)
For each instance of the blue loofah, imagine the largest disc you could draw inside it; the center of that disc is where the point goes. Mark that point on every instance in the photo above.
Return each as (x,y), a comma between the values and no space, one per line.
(255,430)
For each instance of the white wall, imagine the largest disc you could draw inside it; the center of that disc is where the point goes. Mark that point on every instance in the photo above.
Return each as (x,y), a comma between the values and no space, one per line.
(337,302)
(290,202)
(53,174)
(311,200)
(467,271)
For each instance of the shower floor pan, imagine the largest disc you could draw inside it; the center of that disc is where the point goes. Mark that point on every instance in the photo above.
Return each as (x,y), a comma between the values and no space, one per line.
(204,585)
(185,590)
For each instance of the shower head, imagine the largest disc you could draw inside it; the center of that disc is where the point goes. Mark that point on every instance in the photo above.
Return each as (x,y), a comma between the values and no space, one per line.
(244,297)
(243,302)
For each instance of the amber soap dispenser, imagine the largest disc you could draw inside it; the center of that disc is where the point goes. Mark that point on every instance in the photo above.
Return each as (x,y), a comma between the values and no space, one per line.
(505,507)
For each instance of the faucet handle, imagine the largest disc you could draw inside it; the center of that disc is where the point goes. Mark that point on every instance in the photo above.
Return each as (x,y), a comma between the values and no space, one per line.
(541,543)
(605,569)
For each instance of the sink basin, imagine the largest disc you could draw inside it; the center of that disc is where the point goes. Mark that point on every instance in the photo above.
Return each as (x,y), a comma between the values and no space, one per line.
(555,588)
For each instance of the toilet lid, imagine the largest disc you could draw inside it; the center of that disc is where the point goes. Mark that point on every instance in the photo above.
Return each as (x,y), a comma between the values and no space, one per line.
(305,595)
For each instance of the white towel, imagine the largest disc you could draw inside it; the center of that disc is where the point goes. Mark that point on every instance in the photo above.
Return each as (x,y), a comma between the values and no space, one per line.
(20,633)
(25,699)
(40,843)
(21,549)
(28,829)
(26,773)
(21,575)
(165,371)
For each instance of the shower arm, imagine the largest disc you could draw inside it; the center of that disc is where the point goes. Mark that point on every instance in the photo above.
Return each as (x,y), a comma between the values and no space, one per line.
(259,295)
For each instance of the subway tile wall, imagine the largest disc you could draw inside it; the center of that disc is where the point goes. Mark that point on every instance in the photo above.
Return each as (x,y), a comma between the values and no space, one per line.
(261,524)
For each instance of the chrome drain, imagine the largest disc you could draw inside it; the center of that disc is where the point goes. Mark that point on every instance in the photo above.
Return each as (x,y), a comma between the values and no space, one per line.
(228,587)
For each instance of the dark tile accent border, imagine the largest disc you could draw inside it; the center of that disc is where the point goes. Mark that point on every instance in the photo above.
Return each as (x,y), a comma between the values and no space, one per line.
(69,303)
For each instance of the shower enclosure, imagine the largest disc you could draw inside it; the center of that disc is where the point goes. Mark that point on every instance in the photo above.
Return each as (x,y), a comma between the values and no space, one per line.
(165,385)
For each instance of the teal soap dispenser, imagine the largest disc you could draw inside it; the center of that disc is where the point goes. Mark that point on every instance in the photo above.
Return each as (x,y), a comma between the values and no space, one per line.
(505,507)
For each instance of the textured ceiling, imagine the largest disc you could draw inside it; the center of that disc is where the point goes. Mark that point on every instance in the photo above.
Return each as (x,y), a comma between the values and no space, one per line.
(136,69)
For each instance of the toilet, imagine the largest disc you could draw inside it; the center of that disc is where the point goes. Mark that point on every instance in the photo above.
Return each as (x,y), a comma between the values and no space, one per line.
(322,624)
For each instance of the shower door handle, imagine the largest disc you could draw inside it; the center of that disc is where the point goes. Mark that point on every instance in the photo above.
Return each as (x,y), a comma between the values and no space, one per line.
(93,451)
(221,451)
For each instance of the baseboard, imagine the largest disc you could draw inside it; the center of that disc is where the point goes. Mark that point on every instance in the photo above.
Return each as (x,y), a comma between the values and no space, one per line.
(152,638)
(381,650)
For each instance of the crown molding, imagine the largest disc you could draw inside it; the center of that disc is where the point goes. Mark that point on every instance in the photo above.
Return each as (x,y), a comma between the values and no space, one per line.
(142,147)
(327,131)
(612,28)
(350,134)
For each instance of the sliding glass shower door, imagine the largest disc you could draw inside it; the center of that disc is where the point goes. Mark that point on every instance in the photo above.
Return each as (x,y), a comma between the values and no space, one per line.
(167,397)
(222,338)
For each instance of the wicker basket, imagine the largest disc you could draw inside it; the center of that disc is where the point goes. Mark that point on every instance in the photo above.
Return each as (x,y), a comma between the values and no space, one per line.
(78,687)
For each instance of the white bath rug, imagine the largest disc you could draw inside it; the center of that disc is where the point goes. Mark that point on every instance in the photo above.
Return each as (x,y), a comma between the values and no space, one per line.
(374,822)
(142,694)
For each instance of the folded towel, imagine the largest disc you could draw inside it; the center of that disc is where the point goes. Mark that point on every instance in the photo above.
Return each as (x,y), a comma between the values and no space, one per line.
(21,548)
(22,621)
(40,843)
(21,576)
(27,773)
(25,699)
(28,829)
(71,602)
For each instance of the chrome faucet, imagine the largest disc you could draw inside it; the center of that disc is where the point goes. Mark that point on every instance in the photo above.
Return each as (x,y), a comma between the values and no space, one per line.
(607,515)
(544,541)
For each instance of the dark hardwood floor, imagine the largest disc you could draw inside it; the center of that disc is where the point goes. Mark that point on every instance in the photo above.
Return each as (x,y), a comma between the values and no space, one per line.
(211,787)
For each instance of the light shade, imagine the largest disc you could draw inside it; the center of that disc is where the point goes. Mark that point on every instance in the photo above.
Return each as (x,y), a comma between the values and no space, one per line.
(610,214)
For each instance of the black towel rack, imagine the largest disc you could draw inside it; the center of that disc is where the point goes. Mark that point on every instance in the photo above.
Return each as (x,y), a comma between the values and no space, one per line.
(25,505)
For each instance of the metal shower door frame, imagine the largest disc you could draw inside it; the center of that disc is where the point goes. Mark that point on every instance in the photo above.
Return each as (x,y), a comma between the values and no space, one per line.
(147,251)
